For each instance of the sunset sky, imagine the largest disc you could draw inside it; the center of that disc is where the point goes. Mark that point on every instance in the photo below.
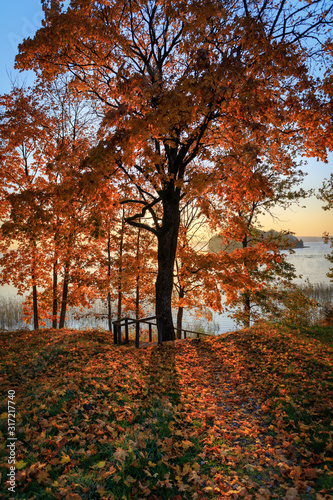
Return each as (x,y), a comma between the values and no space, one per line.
(21,18)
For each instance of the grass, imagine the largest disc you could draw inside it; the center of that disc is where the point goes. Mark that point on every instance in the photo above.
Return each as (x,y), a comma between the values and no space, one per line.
(243,415)
(321,292)
(11,312)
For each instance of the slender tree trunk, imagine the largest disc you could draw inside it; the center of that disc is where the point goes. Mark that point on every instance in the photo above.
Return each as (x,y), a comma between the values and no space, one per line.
(137,289)
(180,315)
(109,276)
(166,253)
(55,295)
(137,299)
(247,309)
(119,303)
(120,268)
(64,297)
(246,294)
(109,311)
(34,288)
(35,304)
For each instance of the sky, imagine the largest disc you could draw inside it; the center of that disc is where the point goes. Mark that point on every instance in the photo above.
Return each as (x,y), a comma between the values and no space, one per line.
(20,19)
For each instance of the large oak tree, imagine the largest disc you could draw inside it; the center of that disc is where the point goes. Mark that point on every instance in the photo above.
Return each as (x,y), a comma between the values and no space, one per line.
(188,89)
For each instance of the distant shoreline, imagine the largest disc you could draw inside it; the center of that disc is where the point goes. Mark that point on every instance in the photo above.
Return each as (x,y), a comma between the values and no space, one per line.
(309,239)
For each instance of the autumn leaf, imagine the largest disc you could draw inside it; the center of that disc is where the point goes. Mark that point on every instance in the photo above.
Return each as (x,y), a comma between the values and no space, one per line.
(120,455)
(64,459)
(291,494)
(100,464)
(42,476)
(20,464)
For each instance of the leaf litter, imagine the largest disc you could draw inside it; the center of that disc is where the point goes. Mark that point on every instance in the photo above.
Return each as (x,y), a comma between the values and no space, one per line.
(243,415)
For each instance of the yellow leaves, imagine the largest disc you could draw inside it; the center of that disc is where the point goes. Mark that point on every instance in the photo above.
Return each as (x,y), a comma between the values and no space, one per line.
(186,444)
(20,464)
(208,489)
(100,464)
(64,459)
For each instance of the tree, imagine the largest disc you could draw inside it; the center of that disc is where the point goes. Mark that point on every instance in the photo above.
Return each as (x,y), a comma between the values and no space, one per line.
(195,284)
(326,195)
(237,221)
(181,85)
(24,152)
(46,209)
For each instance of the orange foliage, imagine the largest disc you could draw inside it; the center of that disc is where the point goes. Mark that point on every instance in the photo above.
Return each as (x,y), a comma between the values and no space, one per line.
(191,94)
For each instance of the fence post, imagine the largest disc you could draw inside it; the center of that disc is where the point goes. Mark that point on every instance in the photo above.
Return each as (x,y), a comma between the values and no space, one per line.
(184,334)
(159,331)
(150,334)
(126,329)
(115,337)
(137,334)
(119,334)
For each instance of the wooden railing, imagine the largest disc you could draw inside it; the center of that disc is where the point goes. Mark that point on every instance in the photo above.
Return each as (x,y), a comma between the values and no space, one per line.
(127,322)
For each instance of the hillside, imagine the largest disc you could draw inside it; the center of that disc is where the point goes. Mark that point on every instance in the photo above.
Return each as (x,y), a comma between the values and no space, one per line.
(216,244)
(244,415)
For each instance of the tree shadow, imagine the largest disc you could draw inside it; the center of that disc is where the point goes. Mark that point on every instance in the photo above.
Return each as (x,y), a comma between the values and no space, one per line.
(160,374)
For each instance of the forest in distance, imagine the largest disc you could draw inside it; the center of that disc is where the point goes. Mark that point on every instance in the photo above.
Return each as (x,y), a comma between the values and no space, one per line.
(150,124)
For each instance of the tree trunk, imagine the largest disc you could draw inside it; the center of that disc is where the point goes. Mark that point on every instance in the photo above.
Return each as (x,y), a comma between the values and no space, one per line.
(137,290)
(180,320)
(120,269)
(109,312)
(167,237)
(247,309)
(246,294)
(35,305)
(109,276)
(55,295)
(64,297)
(34,288)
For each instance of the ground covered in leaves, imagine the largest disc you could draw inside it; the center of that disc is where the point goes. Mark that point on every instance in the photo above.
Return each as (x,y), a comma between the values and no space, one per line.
(244,415)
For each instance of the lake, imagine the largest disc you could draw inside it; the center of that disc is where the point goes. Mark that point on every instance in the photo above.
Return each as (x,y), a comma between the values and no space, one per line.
(309,262)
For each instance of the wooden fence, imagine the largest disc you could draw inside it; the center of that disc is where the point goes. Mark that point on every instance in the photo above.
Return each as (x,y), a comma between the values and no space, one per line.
(151,321)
